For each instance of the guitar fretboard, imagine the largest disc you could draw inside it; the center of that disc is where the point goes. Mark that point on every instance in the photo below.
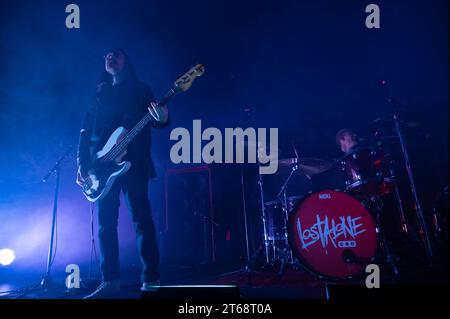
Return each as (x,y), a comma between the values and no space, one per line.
(130,135)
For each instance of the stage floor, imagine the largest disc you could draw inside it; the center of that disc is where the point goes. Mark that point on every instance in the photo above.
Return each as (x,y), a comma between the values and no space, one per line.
(262,284)
(293,284)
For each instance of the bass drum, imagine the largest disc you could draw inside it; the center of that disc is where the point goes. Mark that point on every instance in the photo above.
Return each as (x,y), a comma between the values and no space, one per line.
(332,234)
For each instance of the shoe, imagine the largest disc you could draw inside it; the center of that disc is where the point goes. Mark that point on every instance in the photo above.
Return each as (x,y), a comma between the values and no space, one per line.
(107,289)
(151,286)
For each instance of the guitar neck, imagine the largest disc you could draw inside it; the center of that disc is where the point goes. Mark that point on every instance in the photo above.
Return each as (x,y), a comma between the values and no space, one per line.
(131,135)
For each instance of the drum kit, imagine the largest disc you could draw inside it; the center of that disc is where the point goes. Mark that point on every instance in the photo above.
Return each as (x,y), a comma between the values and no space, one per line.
(336,233)
(329,232)
(332,233)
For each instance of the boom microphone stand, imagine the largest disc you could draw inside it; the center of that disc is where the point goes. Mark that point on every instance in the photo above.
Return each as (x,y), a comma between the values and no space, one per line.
(423,227)
(47,281)
(247,269)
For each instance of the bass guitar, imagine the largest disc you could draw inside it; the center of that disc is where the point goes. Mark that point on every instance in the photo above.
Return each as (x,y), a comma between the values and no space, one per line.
(107,164)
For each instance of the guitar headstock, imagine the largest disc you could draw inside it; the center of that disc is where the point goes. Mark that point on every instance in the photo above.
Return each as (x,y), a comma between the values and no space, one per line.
(184,82)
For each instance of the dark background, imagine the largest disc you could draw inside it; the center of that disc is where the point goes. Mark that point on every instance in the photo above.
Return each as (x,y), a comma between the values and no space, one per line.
(306,67)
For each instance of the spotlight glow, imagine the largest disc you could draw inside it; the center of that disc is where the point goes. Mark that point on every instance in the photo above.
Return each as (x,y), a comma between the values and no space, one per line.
(7,256)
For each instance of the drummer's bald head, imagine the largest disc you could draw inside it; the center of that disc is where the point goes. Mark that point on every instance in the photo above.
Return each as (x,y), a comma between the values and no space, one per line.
(343,133)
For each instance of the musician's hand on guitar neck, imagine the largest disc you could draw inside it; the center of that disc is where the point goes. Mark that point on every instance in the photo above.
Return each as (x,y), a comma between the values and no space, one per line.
(159,113)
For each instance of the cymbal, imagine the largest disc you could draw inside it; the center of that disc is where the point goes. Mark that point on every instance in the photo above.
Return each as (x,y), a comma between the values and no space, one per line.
(304,166)
(384,120)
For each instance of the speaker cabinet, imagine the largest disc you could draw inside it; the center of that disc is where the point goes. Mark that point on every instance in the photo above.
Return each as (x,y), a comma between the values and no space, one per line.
(189,221)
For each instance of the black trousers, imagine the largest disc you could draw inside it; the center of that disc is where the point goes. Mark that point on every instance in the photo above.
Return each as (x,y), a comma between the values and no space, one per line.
(134,185)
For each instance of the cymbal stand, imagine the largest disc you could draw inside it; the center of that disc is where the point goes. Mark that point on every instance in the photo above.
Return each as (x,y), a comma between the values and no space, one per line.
(264,216)
(286,254)
(282,196)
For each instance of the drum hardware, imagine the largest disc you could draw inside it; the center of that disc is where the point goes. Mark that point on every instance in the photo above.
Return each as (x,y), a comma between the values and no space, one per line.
(367,172)
(263,216)
(275,214)
(286,254)
(388,121)
(307,166)
(244,204)
(385,248)
(371,197)
(399,202)
(440,216)
(381,174)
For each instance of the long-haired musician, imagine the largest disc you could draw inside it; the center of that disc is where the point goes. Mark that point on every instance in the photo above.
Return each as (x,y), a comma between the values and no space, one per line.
(122,100)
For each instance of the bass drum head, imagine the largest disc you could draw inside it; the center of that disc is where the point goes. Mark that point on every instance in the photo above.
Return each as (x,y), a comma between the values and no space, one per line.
(332,234)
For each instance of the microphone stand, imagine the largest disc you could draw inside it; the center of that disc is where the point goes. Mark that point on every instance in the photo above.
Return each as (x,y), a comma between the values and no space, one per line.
(423,228)
(247,270)
(47,281)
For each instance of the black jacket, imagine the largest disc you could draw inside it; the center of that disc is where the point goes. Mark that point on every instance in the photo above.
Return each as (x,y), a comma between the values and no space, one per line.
(123,104)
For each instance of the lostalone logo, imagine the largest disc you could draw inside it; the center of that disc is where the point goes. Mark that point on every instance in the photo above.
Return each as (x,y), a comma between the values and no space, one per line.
(329,231)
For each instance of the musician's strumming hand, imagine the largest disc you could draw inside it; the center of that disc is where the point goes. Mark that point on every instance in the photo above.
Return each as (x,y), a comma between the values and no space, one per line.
(159,113)
(82,176)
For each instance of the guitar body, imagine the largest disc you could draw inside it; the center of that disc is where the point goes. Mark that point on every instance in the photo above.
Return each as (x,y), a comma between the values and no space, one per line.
(104,172)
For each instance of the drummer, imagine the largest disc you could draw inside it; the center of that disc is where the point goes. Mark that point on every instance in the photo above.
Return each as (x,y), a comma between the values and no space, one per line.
(347,140)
